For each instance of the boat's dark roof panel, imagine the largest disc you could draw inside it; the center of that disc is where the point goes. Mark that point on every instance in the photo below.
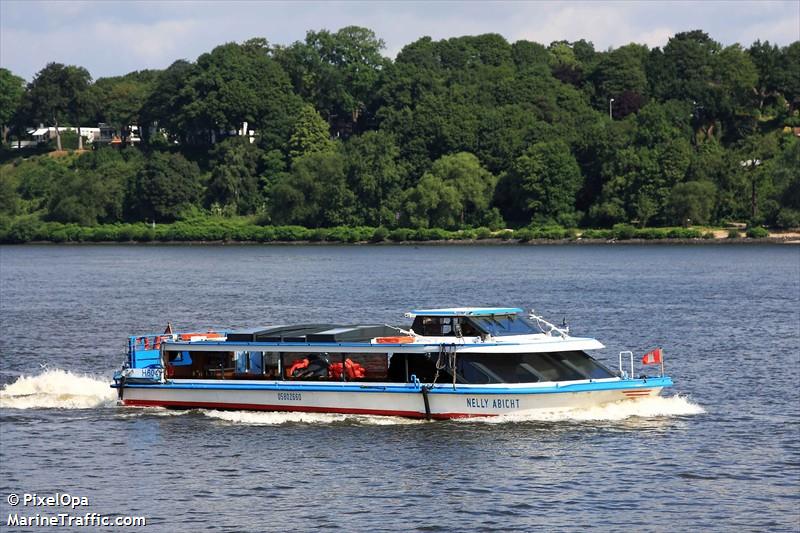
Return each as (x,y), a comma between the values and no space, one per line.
(312,333)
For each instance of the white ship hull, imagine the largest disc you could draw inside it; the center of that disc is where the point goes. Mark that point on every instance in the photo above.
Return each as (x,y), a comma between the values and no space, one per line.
(389,399)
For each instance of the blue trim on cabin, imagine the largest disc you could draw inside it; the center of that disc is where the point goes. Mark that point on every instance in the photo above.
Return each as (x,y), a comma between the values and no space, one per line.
(480,311)
(441,388)
(255,344)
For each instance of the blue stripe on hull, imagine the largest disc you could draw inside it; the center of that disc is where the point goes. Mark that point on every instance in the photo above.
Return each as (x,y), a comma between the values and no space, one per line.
(439,389)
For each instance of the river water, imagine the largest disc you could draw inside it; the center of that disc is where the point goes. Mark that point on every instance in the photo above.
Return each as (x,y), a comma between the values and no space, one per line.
(721,452)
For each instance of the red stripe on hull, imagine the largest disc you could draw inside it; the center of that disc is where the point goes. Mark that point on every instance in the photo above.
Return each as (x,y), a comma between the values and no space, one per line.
(294,409)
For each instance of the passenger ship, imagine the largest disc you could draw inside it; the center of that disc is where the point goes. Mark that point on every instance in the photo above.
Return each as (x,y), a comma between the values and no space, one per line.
(451,363)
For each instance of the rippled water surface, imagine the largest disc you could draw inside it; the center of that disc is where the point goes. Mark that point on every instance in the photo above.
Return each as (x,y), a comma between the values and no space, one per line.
(721,453)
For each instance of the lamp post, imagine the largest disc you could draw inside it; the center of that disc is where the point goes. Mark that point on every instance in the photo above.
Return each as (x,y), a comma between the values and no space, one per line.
(611,109)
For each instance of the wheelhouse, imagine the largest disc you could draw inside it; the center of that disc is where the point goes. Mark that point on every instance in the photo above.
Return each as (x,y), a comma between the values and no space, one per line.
(467,323)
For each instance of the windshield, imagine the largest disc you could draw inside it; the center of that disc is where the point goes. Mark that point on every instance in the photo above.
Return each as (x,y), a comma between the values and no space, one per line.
(499,325)
(529,367)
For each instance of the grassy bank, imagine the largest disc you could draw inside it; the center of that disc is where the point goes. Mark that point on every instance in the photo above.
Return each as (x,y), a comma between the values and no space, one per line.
(244,230)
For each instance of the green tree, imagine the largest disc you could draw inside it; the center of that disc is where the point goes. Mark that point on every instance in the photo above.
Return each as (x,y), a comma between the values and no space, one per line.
(790,85)
(12,89)
(527,54)
(684,68)
(119,100)
(734,86)
(786,177)
(432,203)
(57,94)
(620,74)
(9,197)
(309,134)
(228,86)
(767,58)
(235,170)
(570,62)
(474,184)
(338,73)
(165,185)
(163,105)
(544,181)
(38,181)
(691,202)
(376,176)
(315,193)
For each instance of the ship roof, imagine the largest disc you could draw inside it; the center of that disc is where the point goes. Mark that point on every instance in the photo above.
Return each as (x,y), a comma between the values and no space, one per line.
(313,333)
(465,311)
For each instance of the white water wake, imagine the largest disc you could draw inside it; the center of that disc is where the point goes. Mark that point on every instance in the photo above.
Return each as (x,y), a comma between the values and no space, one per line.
(646,408)
(269,418)
(57,389)
(651,407)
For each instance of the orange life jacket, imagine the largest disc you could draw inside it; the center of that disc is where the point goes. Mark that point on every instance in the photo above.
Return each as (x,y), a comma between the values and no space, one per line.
(303,363)
(352,370)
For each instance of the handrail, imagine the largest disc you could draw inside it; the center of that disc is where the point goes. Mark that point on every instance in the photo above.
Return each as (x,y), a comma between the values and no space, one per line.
(551,327)
(622,372)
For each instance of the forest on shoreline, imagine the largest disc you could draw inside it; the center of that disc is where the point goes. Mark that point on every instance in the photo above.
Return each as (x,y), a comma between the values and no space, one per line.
(450,140)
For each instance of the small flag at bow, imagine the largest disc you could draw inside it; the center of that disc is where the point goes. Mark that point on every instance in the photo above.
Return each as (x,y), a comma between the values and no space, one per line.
(653,357)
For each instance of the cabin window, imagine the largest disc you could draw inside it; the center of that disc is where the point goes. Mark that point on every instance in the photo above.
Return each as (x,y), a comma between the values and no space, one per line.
(336,366)
(585,364)
(306,366)
(256,365)
(444,326)
(529,367)
(501,325)
(362,366)
(423,366)
(201,365)
(179,358)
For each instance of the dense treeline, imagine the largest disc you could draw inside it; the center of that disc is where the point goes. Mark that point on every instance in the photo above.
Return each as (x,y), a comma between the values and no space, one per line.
(461,133)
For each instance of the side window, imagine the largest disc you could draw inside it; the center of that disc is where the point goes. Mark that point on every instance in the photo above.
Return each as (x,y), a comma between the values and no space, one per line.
(256,365)
(431,326)
(434,326)
(467,329)
(360,367)
(336,366)
(447,326)
(585,364)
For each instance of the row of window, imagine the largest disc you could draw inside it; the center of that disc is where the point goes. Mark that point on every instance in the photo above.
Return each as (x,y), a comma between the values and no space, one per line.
(469,368)
(474,326)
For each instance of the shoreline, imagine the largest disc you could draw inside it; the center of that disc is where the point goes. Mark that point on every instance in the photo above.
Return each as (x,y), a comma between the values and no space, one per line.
(742,241)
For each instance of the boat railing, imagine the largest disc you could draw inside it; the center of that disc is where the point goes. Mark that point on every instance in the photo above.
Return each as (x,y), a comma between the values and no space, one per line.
(623,374)
(628,355)
(151,341)
(548,327)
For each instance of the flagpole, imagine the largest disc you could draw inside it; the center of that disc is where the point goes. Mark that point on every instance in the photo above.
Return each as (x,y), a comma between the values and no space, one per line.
(662,363)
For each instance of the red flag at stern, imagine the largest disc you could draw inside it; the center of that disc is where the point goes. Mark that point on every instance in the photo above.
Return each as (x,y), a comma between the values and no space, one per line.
(653,357)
